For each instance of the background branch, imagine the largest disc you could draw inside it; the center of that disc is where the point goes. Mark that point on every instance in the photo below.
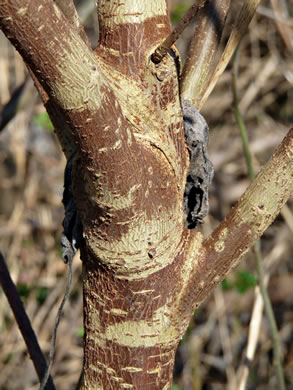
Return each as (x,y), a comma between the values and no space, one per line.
(23,323)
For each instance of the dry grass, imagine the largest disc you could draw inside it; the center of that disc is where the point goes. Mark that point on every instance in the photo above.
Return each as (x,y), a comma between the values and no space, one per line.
(212,353)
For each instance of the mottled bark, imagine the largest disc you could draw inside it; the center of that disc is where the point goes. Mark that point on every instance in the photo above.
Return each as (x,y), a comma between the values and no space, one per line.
(143,272)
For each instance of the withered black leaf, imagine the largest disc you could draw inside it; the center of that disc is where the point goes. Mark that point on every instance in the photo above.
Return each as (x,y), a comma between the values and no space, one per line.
(201,171)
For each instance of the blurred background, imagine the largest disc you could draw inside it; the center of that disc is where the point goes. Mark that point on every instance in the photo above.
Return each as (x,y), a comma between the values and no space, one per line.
(212,353)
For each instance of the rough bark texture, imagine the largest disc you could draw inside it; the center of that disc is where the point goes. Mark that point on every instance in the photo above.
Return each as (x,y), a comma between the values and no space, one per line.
(143,272)
(130,342)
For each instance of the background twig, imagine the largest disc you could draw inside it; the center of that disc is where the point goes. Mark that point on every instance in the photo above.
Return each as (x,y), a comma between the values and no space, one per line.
(24,324)
(164,48)
(258,257)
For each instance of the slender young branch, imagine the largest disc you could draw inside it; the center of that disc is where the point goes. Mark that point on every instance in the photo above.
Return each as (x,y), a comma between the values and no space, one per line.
(240,26)
(165,47)
(257,251)
(251,216)
(23,323)
(46,376)
(204,49)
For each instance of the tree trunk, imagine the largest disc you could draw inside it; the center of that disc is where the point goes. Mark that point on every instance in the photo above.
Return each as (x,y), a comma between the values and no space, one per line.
(132,264)
(143,272)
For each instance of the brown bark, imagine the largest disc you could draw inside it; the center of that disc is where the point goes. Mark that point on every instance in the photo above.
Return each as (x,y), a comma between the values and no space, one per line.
(143,272)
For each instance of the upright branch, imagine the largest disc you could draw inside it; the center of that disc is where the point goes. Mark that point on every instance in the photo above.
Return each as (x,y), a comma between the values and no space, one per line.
(239,28)
(204,49)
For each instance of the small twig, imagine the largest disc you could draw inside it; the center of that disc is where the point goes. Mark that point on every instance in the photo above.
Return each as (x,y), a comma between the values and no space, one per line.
(240,120)
(54,336)
(23,322)
(253,336)
(256,317)
(225,339)
(268,13)
(258,257)
(281,12)
(165,47)
(258,83)
(271,319)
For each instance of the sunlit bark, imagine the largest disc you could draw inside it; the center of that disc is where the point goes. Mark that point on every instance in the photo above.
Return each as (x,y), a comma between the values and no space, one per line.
(143,272)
